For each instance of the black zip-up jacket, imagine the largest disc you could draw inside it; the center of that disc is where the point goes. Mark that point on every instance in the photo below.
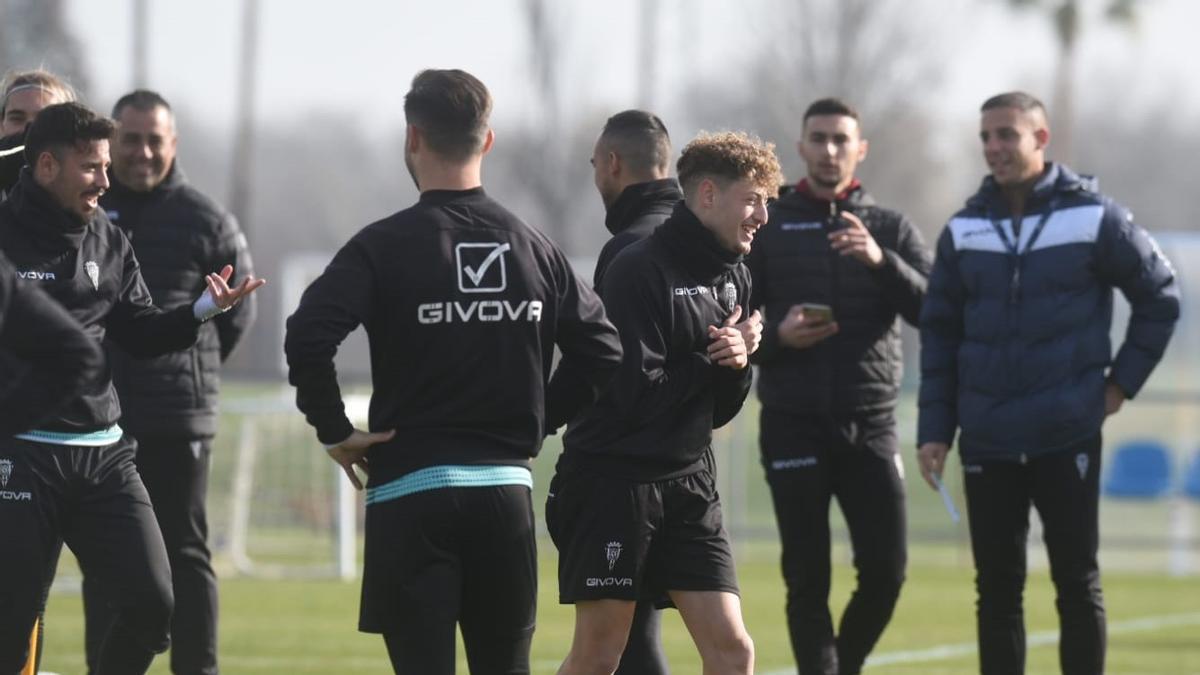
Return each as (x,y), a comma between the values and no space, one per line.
(639,209)
(179,236)
(91,271)
(462,303)
(655,420)
(45,357)
(857,369)
(12,158)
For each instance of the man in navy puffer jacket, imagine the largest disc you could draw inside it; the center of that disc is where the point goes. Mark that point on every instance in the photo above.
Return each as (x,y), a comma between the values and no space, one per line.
(1015,354)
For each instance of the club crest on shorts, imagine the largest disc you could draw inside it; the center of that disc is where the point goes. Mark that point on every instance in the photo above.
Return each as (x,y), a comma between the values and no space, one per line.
(93,272)
(612,552)
(729,296)
(5,471)
(1081,463)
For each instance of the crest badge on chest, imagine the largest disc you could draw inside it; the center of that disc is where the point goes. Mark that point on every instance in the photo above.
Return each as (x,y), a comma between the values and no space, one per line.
(729,296)
(93,272)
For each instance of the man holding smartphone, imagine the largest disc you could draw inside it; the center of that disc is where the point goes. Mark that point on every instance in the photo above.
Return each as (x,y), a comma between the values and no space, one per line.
(834,272)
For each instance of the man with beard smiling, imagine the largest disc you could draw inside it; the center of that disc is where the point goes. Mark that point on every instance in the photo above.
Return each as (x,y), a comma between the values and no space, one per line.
(828,384)
(463,304)
(1016,358)
(169,403)
(633,507)
(77,467)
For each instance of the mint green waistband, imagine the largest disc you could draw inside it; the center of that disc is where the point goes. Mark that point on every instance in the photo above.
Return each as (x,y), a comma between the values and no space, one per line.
(91,439)
(436,477)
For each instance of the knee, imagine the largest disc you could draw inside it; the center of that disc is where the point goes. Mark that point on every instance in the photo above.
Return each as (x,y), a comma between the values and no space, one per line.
(149,617)
(1079,589)
(1000,593)
(734,654)
(599,654)
(881,585)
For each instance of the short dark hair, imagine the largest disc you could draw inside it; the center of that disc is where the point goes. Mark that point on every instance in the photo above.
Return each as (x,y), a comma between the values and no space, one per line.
(729,156)
(141,99)
(64,125)
(451,109)
(1014,99)
(831,106)
(640,138)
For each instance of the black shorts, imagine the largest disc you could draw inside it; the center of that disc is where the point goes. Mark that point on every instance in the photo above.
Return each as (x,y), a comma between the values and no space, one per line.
(622,540)
(465,555)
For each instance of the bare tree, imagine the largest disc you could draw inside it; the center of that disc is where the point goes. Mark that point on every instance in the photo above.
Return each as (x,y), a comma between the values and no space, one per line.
(1068,23)
(875,53)
(34,33)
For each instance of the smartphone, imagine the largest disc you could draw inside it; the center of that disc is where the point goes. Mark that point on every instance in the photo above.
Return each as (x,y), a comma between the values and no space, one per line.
(817,313)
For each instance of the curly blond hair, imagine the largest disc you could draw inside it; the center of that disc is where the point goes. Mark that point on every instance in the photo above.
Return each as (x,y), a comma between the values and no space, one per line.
(730,156)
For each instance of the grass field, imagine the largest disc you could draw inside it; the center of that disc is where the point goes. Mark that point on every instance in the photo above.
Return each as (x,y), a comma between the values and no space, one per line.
(282,627)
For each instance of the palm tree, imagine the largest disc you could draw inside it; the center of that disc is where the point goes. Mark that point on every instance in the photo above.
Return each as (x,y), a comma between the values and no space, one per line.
(1065,15)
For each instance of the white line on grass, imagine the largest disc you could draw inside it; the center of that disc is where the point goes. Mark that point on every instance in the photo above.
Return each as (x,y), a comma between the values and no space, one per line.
(1039,639)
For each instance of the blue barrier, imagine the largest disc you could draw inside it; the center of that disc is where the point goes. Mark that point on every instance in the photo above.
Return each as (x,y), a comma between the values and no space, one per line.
(1139,470)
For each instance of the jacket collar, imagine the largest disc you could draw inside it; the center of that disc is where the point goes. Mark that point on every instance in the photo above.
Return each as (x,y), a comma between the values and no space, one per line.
(636,199)
(801,197)
(47,224)
(695,245)
(1055,179)
(175,179)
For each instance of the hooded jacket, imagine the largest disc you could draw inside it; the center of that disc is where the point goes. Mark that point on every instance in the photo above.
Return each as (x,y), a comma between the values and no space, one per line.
(179,236)
(1015,348)
(639,209)
(90,269)
(45,357)
(656,418)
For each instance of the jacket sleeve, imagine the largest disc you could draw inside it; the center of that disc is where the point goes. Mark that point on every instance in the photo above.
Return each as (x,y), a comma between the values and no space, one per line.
(1129,259)
(140,328)
(334,304)
(45,358)
(647,384)
(905,271)
(232,249)
(731,387)
(590,346)
(770,346)
(941,336)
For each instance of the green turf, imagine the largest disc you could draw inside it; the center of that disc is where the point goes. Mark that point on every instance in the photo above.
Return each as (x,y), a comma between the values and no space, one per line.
(308,626)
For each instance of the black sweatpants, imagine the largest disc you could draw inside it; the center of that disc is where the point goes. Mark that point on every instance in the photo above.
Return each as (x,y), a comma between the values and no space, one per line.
(810,459)
(93,499)
(175,472)
(1064,487)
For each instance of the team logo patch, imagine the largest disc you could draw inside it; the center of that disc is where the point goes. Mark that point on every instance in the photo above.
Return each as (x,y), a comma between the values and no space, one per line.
(612,553)
(729,295)
(6,470)
(93,272)
(481,267)
(1081,463)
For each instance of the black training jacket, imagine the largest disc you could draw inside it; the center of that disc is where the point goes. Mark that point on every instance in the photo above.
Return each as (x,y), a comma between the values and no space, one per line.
(462,304)
(179,236)
(45,357)
(858,368)
(91,271)
(655,420)
(639,209)
(12,158)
